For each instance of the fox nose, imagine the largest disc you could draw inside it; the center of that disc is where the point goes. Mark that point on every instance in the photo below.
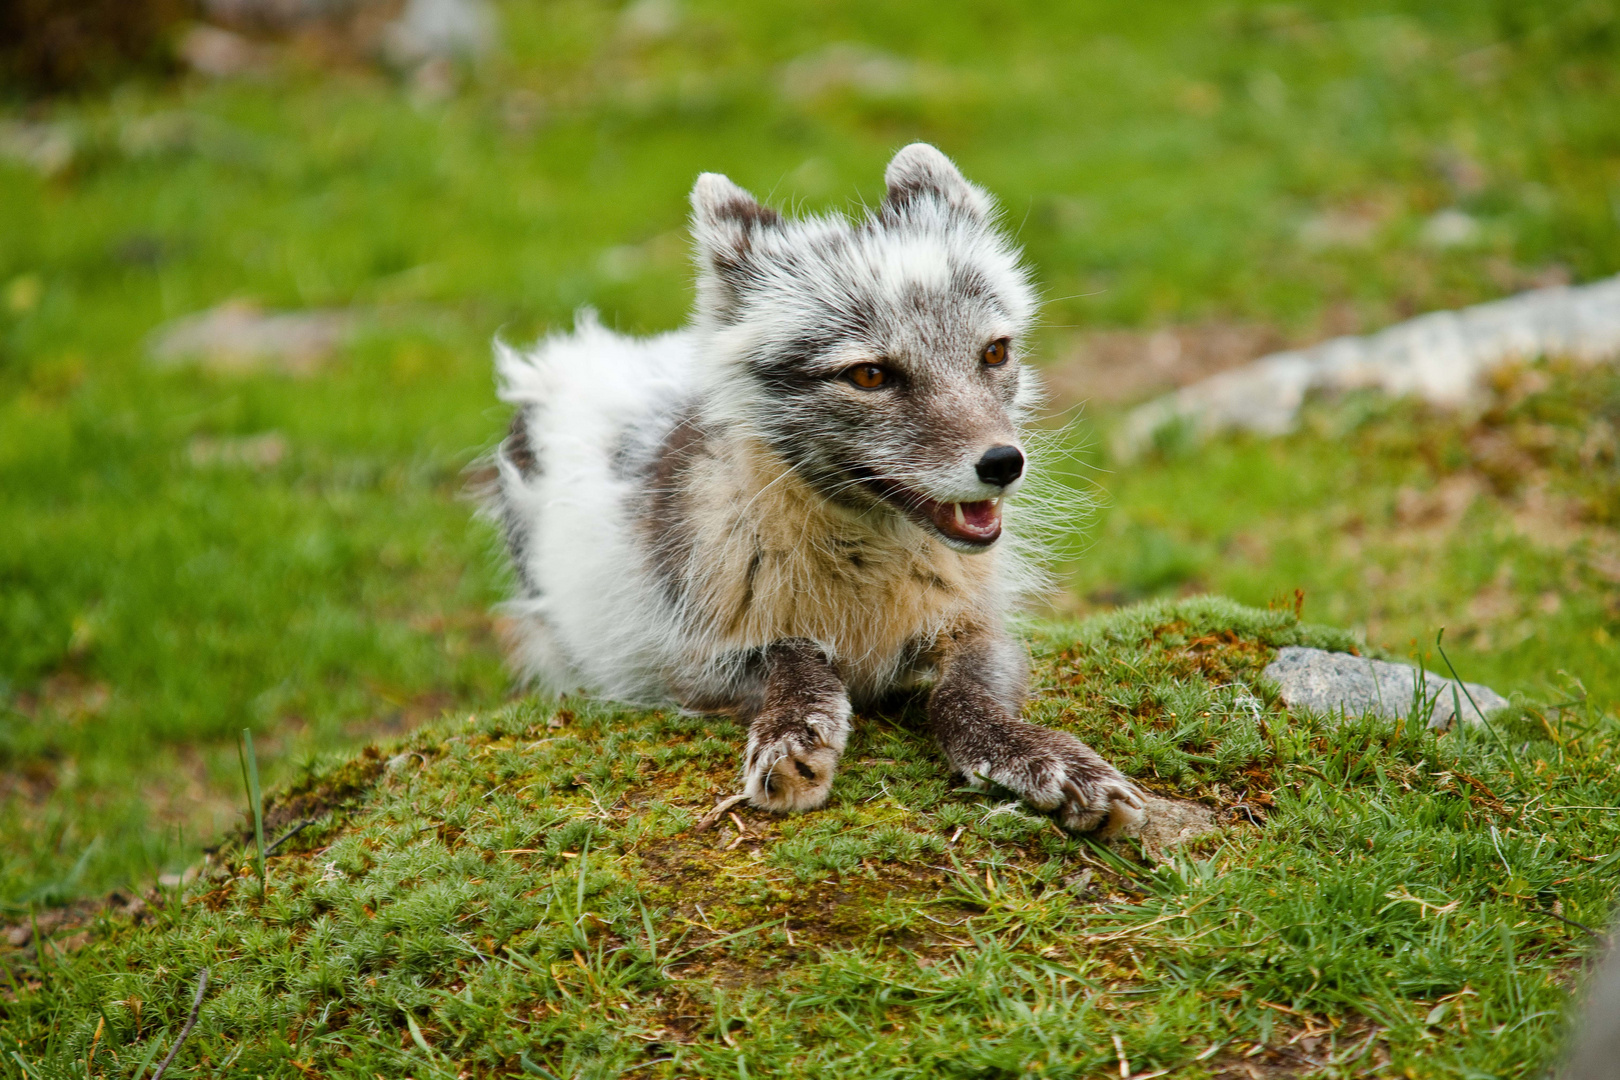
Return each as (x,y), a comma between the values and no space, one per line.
(1000,465)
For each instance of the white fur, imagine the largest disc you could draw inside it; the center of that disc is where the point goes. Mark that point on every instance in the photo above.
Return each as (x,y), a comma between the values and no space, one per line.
(588,387)
(597,616)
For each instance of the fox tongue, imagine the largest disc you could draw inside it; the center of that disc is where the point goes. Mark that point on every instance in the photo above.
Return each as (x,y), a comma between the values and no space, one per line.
(979,521)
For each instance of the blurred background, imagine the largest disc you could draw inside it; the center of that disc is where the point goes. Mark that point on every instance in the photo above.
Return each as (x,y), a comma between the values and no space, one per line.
(253,254)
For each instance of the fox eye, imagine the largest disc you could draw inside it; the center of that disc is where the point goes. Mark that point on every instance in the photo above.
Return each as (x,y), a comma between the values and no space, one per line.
(869,376)
(995,353)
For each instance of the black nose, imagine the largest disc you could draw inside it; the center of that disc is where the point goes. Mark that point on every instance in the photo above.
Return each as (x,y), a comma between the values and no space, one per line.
(1001,465)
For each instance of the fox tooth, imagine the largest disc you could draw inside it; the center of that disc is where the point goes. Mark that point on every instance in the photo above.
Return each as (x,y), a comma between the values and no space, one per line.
(961,518)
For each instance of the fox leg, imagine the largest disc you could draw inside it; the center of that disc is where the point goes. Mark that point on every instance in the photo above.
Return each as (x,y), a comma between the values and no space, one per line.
(972,713)
(799,729)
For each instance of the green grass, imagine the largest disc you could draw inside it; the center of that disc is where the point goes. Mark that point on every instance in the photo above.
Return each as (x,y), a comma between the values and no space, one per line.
(1396,521)
(521,893)
(1162,164)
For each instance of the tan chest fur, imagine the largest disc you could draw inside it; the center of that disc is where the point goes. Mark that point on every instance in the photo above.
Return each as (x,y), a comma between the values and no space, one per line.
(772,559)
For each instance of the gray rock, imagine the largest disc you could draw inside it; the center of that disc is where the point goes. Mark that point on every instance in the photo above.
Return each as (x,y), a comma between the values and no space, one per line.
(1443,357)
(440,29)
(259,452)
(1079,884)
(847,66)
(237,336)
(650,20)
(221,54)
(48,149)
(1333,682)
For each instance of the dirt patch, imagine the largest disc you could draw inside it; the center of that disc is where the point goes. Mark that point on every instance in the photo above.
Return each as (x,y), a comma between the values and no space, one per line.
(32,782)
(67,696)
(722,885)
(63,930)
(1314,1048)
(1131,365)
(406,715)
(717,884)
(315,797)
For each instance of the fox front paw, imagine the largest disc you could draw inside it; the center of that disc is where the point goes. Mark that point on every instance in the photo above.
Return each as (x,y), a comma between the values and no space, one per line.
(791,758)
(1106,806)
(1060,775)
(792,772)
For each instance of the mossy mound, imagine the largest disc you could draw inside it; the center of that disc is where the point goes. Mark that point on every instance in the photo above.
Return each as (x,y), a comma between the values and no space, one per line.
(525,893)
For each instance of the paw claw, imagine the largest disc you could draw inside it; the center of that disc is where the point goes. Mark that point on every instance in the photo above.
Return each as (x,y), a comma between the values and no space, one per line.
(1065,778)
(1123,815)
(787,776)
(1129,795)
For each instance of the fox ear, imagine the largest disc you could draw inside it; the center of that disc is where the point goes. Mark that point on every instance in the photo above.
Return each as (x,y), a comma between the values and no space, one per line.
(919,173)
(727,222)
(726,219)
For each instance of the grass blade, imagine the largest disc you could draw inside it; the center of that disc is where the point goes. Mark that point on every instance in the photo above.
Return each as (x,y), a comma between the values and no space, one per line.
(652,938)
(250,780)
(579,892)
(151,1052)
(728,937)
(416,1034)
(1513,758)
(532,1069)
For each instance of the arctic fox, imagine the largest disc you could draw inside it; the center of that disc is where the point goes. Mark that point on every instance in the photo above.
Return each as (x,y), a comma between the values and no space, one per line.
(792,506)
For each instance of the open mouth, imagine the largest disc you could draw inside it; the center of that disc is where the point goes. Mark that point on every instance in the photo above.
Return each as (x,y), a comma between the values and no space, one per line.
(975,523)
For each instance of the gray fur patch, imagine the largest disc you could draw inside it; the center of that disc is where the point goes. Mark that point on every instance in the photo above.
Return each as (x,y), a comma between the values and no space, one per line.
(663,519)
(516,529)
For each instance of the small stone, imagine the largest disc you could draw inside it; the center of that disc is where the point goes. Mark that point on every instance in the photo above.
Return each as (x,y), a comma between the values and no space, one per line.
(1340,684)
(845,66)
(650,20)
(48,149)
(1353,228)
(1079,884)
(220,54)
(237,336)
(1166,824)
(256,452)
(1451,228)
(428,30)
(50,919)
(399,761)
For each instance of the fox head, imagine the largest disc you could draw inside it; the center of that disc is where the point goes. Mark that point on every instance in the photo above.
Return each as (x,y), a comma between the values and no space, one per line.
(880,358)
